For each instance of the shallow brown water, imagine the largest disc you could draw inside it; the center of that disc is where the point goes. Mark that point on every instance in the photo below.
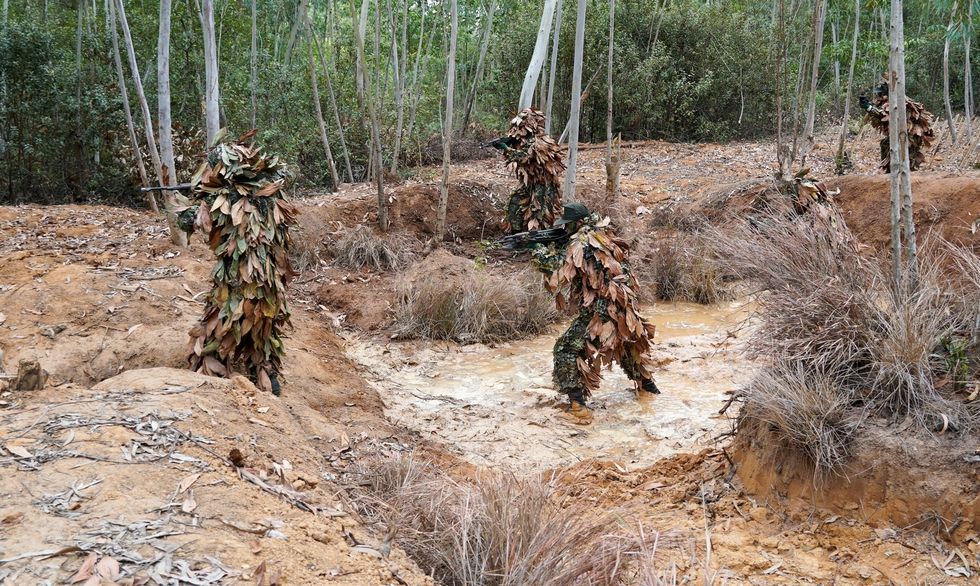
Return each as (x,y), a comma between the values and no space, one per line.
(493,404)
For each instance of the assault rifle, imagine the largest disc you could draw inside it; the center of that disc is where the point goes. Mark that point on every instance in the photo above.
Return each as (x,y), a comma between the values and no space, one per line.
(181,187)
(499,143)
(522,240)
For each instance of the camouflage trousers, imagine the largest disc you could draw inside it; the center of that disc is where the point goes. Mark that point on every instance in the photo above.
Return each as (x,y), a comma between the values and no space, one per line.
(916,158)
(571,346)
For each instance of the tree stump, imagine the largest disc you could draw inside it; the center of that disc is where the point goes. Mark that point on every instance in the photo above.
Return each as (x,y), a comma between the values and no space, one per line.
(30,376)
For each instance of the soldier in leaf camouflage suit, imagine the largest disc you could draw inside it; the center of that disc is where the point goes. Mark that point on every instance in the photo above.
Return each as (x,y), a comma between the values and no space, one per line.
(239,206)
(919,122)
(590,275)
(537,161)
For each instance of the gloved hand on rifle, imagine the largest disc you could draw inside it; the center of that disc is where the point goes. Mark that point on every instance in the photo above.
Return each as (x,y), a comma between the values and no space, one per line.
(499,143)
(863,102)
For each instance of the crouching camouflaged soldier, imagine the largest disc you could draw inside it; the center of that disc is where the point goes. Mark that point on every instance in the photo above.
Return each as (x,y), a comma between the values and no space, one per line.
(537,161)
(237,203)
(920,131)
(590,275)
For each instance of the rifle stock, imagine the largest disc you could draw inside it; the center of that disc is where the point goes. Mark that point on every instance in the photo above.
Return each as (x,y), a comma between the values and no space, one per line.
(181,187)
(523,240)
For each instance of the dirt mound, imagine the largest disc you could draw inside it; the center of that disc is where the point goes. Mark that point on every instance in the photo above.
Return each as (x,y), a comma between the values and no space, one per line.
(943,205)
(473,212)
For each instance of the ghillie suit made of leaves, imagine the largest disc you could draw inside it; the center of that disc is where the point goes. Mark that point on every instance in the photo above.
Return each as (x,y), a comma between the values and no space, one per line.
(591,275)
(921,133)
(238,203)
(536,160)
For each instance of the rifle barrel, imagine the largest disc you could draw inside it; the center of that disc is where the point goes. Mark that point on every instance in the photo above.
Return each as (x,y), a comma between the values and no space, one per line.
(181,187)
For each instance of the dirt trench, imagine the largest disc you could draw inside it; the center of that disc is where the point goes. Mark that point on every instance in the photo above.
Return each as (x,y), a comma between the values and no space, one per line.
(96,293)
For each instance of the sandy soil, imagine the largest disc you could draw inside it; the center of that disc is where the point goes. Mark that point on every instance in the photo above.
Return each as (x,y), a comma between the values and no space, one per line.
(135,464)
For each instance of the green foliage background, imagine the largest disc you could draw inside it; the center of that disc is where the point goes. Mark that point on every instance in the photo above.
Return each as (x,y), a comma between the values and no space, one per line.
(711,76)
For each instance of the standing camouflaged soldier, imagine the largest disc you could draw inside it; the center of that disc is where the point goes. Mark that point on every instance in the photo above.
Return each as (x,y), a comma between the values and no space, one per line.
(919,121)
(239,206)
(590,275)
(537,161)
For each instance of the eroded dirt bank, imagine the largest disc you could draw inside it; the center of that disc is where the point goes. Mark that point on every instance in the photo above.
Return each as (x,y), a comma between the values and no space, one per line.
(113,466)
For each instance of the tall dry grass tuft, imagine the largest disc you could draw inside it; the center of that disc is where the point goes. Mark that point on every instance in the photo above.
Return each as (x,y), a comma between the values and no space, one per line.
(682,266)
(476,308)
(839,343)
(494,529)
(361,246)
(308,247)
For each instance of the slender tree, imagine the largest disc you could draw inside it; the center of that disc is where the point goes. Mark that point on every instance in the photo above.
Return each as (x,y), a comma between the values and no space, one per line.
(821,17)
(253,66)
(850,82)
(903,227)
(168,168)
(151,142)
(335,181)
(336,111)
(447,132)
(211,108)
(946,102)
(573,121)
(129,115)
(551,71)
(612,160)
(538,57)
(375,126)
(485,44)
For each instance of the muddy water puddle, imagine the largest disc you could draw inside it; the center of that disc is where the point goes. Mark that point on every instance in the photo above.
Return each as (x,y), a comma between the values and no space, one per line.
(494,404)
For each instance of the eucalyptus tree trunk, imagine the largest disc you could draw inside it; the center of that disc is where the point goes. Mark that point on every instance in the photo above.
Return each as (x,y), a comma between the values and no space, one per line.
(554,66)
(447,132)
(129,115)
(949,107)
(211,110)
(538,57)
(419,75)
(612,167)
(479,64)
(253,66)
(401,67)
(375,127)
(898,138)
(168,169)
(151,142)
(968,75)
(821,8)
(576,100)
(300,18)
(333,103)
(652,39)
(319,113)
(850,81)
(77,146)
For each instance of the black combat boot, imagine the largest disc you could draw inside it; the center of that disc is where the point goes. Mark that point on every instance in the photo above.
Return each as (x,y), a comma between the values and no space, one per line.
(649,386)
(276,389)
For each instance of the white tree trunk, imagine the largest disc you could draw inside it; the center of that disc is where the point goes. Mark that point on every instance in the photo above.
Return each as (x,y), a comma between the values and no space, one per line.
(609,83)
(968,78)
(479,64)
(129,115)
(821,9)
(212,118)
(300,18)
(551,72)
(375,126)
(419,73)
(168,169)
(253,66)
(151,142)
(401,67)
(576,100)
(946,102)
(447,134)
(850,81)
(898,137)
(319,112)
(336,111)
(538,57)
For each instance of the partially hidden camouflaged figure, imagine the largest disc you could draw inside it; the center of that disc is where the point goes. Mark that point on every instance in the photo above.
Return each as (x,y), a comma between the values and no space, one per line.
(591,278)
(919,123)
(537,161)
(237,203)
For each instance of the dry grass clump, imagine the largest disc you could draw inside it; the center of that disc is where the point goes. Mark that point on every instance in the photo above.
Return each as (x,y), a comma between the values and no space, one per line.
(498,529)
(308,244)
(476,308)
(361,246)
(839,342)
(681,266)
